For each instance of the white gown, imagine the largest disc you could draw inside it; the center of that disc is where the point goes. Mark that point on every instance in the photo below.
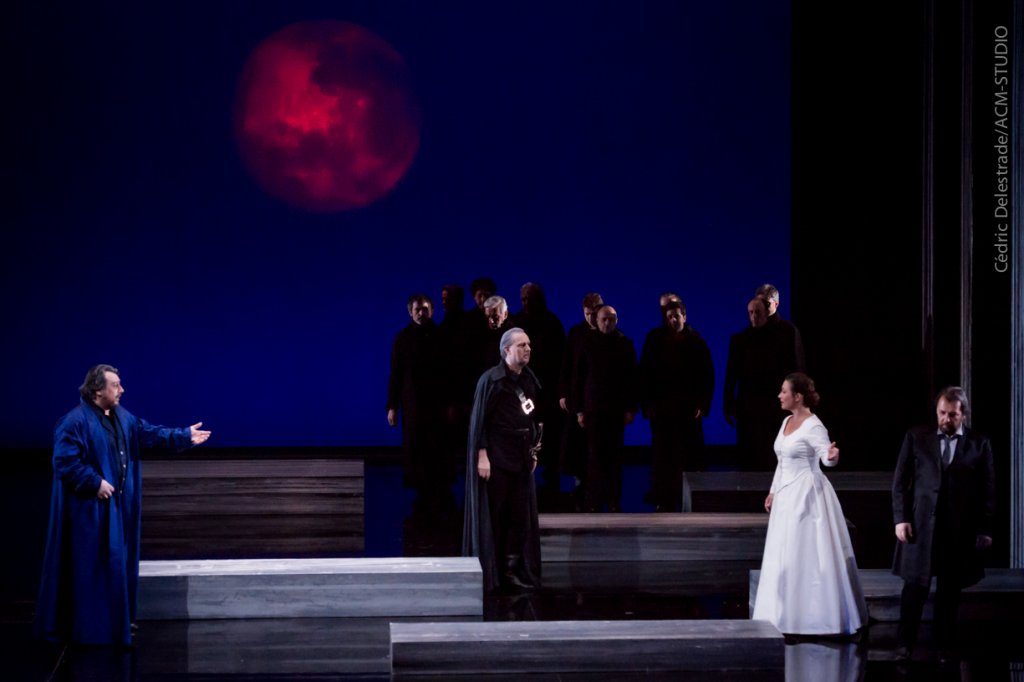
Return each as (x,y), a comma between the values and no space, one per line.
(809,581)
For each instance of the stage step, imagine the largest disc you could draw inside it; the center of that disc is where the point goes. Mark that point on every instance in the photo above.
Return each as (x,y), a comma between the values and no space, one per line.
(760,481)
(266,649)
(584,646)
(691,578)
(252,508)
(652,537)
(310,588)
(999,595)
(866,497)
(744,491)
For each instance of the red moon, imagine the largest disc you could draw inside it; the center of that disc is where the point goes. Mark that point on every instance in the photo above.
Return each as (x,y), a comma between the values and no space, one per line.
(325,116)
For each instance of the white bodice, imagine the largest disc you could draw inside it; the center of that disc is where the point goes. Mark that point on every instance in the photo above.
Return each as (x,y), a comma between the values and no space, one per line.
(800,452)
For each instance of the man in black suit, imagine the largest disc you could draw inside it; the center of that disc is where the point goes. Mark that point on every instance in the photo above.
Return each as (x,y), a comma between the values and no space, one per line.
(943,495)
(605,384)
(759,359)
(501,526)
(573,459)
(547,339)
(414,390)
(677,380)
(789,339)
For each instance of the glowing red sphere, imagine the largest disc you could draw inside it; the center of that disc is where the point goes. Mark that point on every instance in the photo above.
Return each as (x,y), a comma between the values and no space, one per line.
(325,116)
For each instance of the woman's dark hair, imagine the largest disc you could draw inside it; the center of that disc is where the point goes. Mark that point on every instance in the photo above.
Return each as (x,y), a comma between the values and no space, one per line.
(804,385)
(95,380)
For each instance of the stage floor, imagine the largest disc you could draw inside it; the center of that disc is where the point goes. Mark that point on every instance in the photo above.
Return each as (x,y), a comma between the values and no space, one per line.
(358,648)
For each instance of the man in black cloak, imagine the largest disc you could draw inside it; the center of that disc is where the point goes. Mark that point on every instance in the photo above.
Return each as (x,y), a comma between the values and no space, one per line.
(501,526)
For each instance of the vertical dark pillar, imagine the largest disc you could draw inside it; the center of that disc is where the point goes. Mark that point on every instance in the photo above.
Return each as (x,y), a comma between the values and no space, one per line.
(993,300)
(1017,295)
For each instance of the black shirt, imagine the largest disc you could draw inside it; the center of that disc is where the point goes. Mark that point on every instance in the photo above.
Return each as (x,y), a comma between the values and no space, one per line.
(112,426)
(509,429)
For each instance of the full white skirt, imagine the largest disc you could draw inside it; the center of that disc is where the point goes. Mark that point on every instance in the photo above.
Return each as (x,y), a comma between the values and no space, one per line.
(809,581)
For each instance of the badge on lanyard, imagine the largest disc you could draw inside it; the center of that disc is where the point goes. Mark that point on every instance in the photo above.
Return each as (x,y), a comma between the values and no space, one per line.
(526,403)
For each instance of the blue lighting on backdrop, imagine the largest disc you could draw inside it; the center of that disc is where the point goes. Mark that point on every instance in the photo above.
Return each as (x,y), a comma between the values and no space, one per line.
(624,147)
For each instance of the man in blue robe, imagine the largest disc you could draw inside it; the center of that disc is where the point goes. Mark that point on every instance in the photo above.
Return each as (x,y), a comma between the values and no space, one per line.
(87,593)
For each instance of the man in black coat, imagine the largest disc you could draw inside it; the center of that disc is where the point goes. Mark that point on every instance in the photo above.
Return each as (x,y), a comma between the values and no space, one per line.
(677,381)
(501,525)
(414,389)
(547,339)
(789,339)
(457,378)
(497,322)
(943,495)
(760,358)
(573,460)
(605,384)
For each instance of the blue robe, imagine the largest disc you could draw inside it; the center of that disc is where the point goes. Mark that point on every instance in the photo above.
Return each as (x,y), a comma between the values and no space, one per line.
(87,593)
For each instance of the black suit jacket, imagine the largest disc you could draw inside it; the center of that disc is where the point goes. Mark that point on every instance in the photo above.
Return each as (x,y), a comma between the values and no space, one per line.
(952,506)
(605,376)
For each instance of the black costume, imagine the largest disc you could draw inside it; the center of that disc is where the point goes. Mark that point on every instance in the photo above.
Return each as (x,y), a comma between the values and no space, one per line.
(483,350)
(759,360)
(677,379)
(547,344)
(501,514)
(605,387)
(457,382)
(789,338)
(948,507)
(414,388)
(574,443)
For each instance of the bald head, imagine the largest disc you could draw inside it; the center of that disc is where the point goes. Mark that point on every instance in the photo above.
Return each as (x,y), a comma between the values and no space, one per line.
(607,319)
(757,311)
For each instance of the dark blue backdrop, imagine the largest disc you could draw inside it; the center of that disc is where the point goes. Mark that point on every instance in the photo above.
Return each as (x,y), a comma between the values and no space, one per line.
(628,147)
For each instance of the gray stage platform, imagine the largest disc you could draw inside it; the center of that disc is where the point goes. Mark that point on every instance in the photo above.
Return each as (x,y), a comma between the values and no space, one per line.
(760,481)
(652,537)
(999,596)
(249,508)
(735,491)
(310,588)
(672,554)
(866,498)
(264,648)
(584,646)
(691,578)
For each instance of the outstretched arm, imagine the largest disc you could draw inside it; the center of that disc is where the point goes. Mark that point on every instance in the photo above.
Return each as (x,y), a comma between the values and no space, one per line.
(197,435)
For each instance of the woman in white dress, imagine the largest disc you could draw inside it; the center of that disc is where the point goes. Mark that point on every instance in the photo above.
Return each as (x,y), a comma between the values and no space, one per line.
(809,583)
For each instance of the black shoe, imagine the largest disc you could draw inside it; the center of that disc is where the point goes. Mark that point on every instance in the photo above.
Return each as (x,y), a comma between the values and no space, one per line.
(947,657)
(902,654)
(512,578)
(514,583)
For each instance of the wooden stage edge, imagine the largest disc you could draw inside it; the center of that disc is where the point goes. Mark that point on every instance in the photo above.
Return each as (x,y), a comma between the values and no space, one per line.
(584,646)
(999,596)
(311,588)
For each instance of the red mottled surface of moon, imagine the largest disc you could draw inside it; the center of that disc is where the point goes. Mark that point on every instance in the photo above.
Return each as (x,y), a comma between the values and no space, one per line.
(325,116)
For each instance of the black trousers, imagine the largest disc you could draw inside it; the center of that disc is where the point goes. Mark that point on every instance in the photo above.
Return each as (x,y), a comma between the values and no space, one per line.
(677,444)
(605,434)
(757,425)
(508,497)
(947,604)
